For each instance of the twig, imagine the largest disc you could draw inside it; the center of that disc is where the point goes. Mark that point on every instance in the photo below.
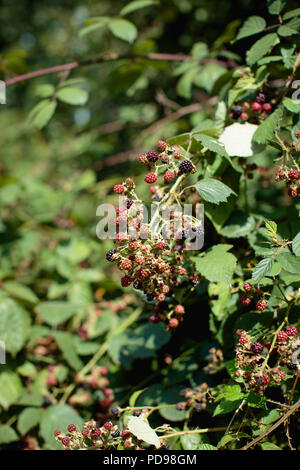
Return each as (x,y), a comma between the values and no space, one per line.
(97,60)
(272,428)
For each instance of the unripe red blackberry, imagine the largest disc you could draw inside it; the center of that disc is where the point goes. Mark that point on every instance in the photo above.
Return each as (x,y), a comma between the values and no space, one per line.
(125,264)
(96,432)
(245,300)
(85,432)
(125,433)
(267,379)
(243,340)
(240,332)
(161,145)
(161,245)
(282,336)
(179,309)
(173,322)
(108,425)
(294,175)
(133,245)
(126,281)
(256,107)
(71,428)
(154,318)
(267,107)
(297,134)
(143,159)
(244,116)
(261,305)
(291,331)
(57,432)
(143,273)
(169,176)
(152,156)
(186,166)
(140,260)
(119,189)
(257,347)
(161,297)
(65,441)
(177,155)
(248,287)
(150,178)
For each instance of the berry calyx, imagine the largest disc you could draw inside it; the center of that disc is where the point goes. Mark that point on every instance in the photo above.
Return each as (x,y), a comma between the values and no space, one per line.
(150,178)
(119,189)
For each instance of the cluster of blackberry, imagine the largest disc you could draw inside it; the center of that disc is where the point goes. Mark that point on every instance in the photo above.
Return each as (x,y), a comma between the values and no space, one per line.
(253,294)
(107,437)
(251,110)
(289,170)
(252,365)
(155,265)
(196,398)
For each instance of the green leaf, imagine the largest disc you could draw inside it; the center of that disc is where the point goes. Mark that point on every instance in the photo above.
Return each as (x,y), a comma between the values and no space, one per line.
(40,115)
(290,28)
(212,144)
(291,105)
(28,419)
(56,312)
(207,447)
(20,291)
(7,434)
(269,446)
(262,269)
(253,25)
(261,48)
(136,5)
(65,342)
(72,95)
(291,14)
(296,244)
(275,6)
(289,262)
(14,325)
(185,83)
(57,417)
(268,127)
(256,401)
(226,407)
(10,389)
(217,265)
(123,29)
(134,396)
(45,91)
(213,190)
(93,24)
(190,441)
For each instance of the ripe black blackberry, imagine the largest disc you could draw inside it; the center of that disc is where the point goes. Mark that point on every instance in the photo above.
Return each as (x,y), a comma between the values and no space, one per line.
(116,433)
(186,166)
(109,255)
(152,156)
(237,111)
(129,203)
(261,99)
(137,284)
(292,366)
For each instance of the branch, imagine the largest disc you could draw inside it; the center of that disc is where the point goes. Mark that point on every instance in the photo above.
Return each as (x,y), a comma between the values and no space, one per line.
(278,423)
(97,60)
